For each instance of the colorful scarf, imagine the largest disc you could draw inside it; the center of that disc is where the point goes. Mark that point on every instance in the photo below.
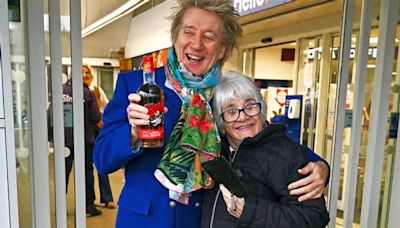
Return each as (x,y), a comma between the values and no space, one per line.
(195,138)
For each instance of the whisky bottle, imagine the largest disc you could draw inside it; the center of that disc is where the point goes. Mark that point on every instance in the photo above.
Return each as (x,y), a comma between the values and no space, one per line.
(152,135)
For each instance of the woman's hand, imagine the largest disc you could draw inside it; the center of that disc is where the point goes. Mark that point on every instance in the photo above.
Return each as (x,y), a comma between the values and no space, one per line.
(313,185)
(234,204)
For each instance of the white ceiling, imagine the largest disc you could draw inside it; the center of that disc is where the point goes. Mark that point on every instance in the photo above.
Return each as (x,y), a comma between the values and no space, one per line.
(106,42)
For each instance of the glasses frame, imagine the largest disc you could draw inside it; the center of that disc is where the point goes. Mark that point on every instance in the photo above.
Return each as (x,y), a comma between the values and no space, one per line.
(241,110)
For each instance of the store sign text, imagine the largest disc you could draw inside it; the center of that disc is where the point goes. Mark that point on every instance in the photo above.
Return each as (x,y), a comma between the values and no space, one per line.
(372,53)
(245,7)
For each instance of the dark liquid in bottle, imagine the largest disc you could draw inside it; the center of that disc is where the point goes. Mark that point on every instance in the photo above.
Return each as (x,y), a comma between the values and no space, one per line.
(152,135)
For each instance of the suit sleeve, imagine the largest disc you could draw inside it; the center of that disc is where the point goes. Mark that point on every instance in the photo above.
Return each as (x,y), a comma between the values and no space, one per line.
(113,148)
(286,211)
(314,158)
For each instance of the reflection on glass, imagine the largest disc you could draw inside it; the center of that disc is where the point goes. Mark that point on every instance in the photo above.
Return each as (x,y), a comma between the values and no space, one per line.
(106,81)
(391,136)
(308,76)
(21,118)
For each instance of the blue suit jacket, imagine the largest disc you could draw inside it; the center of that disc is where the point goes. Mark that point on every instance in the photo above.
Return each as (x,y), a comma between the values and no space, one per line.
(143,202)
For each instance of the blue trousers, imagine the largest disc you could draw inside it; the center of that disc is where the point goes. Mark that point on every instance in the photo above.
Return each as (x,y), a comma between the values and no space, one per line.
(105,189)
(104,184)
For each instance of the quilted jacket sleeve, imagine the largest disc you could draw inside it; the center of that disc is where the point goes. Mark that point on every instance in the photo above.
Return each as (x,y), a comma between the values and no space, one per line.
(286,211)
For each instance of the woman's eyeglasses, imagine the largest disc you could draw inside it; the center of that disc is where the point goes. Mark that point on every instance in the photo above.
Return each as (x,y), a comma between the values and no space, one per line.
(232,115)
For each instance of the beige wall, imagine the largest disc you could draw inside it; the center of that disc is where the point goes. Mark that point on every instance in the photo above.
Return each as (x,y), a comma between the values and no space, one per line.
(268,65)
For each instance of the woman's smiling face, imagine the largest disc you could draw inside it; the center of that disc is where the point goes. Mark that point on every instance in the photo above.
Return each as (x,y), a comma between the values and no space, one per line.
(245,126)
(199,42)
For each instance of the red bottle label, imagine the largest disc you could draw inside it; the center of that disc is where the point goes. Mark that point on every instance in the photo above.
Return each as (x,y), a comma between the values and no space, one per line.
(156,112)
(157,133)
(155,129)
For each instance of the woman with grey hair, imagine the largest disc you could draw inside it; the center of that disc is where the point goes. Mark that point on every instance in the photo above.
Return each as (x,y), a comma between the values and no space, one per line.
(266,161)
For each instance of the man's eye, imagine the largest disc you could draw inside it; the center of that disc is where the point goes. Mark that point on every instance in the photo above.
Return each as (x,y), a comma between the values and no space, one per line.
(210,38)
(188,32)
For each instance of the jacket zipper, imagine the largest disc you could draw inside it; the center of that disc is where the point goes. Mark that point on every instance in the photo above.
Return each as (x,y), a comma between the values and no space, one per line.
(232,159)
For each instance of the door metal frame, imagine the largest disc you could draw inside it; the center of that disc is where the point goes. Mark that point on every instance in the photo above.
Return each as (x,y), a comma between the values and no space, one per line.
(380,101)
(35,62)
(8,174)
(341,92)
(358,104)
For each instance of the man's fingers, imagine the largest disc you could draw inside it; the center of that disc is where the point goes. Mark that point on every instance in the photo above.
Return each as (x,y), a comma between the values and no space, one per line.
(316,193)
(307,169)
(134,97)
(137,114)
(300,183)
(302,190)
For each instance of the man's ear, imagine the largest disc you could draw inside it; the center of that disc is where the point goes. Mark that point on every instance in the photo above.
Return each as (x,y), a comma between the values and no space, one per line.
(221,54)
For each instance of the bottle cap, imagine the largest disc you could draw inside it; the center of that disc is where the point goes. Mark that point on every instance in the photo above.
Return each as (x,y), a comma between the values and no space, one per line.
(148,64)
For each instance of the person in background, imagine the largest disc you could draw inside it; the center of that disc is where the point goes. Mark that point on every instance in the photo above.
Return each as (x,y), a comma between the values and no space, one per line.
(106,197)
(267,161)
(92,115)
(204,34)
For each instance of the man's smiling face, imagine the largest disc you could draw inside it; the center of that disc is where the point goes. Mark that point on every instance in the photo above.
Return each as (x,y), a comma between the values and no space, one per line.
(199,42)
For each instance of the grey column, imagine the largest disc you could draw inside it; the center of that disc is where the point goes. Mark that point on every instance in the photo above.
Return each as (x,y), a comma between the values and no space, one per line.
(358,104)
(38,117)
(343,76)
(78,115)
(8,178)
(57,110)
(394,208)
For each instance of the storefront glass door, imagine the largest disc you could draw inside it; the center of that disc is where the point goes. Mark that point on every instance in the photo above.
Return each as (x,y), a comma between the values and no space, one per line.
(310,52)
(391,126)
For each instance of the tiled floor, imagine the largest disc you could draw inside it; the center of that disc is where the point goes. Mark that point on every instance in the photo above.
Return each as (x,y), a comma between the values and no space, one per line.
(107,218)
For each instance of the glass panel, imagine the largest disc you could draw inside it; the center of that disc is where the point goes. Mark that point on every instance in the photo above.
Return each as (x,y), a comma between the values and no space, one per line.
(391,138)
(21,119)
(1,92)
(48,91)
(106,81)
(66,69)
(392,123)
(347,129)
(307,85)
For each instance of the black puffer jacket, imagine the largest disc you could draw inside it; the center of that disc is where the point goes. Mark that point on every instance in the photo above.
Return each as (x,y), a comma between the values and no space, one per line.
(267,163)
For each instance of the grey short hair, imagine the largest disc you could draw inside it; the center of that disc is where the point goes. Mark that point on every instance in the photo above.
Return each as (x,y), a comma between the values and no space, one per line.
(234,85)
(232,31)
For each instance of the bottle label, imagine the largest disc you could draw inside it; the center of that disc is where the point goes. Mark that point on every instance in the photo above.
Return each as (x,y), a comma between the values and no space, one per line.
(156,112)
(148,95)
(151,133)
(155,129)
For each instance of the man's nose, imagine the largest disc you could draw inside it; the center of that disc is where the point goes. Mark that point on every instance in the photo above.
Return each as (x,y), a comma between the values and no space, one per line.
(197,41)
